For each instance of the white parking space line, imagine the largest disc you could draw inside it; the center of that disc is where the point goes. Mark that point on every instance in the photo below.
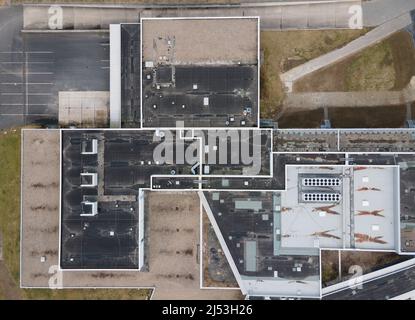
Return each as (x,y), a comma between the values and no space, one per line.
(30,76)
(30,104)
(21,52)
(25,112)
(39,72)
(40,52)
(12,73)
(15,84)
(30,62)
(39,94)
(41,104)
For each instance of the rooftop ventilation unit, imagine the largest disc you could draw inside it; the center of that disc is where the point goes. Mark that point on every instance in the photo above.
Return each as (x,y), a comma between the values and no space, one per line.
(89,146)
(321,197)
(321,182)
(89,209)
(89,179)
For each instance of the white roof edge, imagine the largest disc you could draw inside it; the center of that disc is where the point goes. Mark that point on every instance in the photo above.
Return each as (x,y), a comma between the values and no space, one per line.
(115,75)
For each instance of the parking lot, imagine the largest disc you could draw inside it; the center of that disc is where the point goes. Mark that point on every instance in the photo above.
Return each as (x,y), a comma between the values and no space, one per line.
(26,83)
(30,79)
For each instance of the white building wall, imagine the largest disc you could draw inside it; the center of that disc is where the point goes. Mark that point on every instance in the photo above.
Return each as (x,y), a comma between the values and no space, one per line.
(115,76)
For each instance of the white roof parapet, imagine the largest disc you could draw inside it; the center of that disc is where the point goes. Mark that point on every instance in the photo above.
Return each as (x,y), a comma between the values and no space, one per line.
(89,208)
(115,75)
(91,179)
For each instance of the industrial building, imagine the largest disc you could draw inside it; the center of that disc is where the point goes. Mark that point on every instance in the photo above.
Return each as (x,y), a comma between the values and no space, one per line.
(188,72)
(275,198)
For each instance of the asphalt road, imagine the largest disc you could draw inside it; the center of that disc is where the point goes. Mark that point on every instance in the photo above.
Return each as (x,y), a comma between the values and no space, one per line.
(273,16)
(380,289)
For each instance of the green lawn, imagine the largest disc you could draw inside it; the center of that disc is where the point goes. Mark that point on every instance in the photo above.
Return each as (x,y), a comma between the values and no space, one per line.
(92,294)
(372,69)
(10,228)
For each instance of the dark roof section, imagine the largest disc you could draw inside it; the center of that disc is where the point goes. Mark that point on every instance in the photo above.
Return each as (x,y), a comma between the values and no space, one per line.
(107,240)
(240,226)
(123,164)
(130,76)
(200,96)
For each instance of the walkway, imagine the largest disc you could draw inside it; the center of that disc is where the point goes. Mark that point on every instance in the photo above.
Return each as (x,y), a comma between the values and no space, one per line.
(353,47)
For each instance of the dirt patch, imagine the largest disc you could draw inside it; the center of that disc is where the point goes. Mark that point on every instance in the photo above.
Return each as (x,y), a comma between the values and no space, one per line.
(329,267)
(216,269)
(368,261)
(302,119)
(354,260)
(344,117)
(285,50)
(368,117)
(8,287)
(173,236)
(403,53)
(372,70)
(388,65)
(88,294)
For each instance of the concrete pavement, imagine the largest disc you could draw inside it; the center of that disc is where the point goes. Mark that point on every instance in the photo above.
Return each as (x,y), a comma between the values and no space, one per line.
(295,102)
(376,12)
(274,16)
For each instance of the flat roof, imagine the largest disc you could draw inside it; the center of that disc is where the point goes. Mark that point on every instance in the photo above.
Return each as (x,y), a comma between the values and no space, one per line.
(130,75)
(364,217)
(205,96)
(89,109)
(200,41)
(255,223)
(104,238)
(376,207)
(39,242)
(193,75)
(311,224)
